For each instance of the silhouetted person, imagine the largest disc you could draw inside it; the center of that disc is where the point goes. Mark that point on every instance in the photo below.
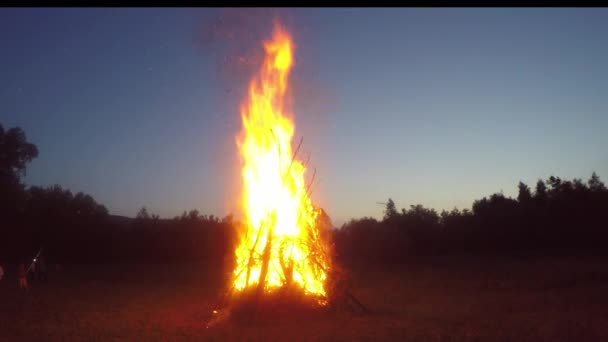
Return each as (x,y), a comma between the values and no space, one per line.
(22,278)
(32,271)
(1,272)
(41,269)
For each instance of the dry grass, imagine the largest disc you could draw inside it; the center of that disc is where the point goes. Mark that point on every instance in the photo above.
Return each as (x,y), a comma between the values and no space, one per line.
(542,299)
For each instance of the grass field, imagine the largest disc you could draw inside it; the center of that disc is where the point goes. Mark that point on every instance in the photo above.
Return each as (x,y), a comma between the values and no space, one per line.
(439,299)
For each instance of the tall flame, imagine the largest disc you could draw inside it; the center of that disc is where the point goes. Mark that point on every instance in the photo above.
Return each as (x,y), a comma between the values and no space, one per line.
(282,244)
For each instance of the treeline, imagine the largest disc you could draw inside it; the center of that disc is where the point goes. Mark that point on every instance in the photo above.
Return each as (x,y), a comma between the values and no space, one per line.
(189,237)
(73,228)
(557,216)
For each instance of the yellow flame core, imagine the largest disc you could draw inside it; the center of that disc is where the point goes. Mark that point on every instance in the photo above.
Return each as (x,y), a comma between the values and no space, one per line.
(280,217)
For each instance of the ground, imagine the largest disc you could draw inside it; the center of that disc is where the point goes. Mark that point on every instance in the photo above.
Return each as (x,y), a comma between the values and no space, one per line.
(438,299)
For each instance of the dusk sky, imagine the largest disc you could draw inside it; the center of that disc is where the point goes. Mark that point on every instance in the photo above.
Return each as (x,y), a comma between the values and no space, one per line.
(140,107)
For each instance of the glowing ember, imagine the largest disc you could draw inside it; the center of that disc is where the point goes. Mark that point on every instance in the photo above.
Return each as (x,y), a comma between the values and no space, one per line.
(282,245)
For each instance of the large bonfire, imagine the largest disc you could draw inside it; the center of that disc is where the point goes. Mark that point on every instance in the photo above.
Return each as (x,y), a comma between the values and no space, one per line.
(282,245)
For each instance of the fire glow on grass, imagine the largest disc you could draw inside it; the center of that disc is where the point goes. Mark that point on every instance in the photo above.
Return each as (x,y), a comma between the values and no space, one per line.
(282,244)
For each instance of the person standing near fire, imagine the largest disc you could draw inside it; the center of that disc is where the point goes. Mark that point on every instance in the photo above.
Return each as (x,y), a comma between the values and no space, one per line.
(22,279)
(42,270)
(31,272)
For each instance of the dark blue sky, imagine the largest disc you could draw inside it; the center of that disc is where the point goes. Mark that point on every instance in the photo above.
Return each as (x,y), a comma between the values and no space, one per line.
(433,106)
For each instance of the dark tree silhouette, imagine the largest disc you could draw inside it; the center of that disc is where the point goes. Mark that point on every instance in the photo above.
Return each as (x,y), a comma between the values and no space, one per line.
(142,214)
(391,210)
(524,195)
(15,153)
(595,184)
(540,194)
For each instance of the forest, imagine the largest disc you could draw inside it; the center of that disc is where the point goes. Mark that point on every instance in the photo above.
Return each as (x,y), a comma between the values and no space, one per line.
(553,216)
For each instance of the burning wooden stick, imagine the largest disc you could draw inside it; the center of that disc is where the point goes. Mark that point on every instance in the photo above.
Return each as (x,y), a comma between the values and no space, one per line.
(266,256)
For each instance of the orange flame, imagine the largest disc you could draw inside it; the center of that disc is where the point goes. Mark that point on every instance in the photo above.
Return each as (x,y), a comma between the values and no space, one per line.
(281,244)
